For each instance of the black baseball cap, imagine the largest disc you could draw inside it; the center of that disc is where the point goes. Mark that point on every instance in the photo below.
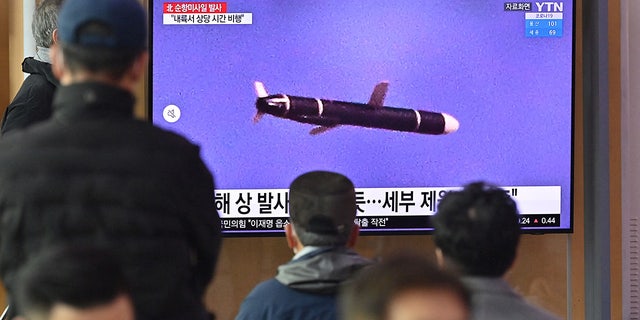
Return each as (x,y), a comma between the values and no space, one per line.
(322,203)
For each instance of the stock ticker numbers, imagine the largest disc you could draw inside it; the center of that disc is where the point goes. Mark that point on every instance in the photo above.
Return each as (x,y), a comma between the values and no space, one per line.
(539,220)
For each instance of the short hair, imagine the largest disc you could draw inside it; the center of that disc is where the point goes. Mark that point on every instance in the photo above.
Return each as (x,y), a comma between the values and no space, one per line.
(322,208)
(369,294)
(79,276)
(477,230)
(109,61)
(45,20)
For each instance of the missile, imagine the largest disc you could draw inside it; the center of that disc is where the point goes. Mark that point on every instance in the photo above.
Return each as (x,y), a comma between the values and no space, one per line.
(328,114)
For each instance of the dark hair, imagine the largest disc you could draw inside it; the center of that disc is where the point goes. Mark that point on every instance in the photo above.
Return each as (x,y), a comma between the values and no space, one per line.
(477,230)
(79,276)
(111,62)
(322,208)
(368,294)
(45,20)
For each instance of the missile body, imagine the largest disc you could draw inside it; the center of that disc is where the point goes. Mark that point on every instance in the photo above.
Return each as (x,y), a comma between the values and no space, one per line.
(330,113)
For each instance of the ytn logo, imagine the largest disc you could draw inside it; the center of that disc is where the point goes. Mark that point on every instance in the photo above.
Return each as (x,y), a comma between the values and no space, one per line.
(550,6)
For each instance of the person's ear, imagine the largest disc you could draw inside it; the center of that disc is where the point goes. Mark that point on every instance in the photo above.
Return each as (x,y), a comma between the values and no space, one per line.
(353,236)
(439,258)
(57,61)
(54,36)
(292,238)
(139,66)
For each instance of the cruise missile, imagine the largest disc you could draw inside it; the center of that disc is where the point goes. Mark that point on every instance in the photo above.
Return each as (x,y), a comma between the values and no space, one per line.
(328,114)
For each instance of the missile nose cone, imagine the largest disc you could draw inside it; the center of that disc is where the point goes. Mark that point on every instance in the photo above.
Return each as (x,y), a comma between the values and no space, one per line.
(451,124)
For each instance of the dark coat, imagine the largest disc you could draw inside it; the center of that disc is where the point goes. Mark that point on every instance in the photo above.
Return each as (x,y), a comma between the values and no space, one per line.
(94,174)
(32,103)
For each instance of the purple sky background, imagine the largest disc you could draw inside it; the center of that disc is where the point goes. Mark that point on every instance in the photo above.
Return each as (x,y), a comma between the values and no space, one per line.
(469,58)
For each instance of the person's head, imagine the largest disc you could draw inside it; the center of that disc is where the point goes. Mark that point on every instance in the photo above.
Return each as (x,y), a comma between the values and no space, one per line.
(101,40)
(73,283)
(45,22)
(477,230)
(405,287)
(322,210)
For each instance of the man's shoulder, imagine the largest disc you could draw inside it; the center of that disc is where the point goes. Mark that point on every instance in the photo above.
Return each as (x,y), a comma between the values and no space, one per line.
(509,310)
(274,291)
(261,300)
(38,81)
(495,299)
(268,290)
(273,300)
(122,131)
(35,91)
(135,143)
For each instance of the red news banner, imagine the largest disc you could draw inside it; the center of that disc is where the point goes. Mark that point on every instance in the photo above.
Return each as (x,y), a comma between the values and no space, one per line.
(194,7)
(202,13)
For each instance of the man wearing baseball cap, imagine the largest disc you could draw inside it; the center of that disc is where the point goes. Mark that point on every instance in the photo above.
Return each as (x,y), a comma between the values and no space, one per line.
(93,174)
(322,209)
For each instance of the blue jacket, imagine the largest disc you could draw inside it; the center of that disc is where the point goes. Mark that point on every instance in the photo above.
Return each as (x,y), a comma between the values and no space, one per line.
(304,289)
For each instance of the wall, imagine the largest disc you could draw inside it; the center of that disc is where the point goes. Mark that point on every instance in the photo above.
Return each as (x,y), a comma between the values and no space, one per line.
(16,52)
(10,50)
(540,272)
(630,91)
(4,85)
(10,61)
(4,53)
(602,159)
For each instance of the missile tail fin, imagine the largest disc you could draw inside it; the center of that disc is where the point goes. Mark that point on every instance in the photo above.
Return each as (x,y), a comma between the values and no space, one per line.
(257,117)
(320,129)
(379,94)
(261,91)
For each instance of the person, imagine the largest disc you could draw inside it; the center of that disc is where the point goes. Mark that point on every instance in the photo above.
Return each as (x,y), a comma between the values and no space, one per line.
(405,287)
(322,209)
(477,234)
(92,173)
(32,103)
(73,283)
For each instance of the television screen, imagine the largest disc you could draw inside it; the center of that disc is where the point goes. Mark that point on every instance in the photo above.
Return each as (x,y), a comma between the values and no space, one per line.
(409,99)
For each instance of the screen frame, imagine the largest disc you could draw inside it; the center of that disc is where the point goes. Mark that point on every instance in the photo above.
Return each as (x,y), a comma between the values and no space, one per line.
(379,232)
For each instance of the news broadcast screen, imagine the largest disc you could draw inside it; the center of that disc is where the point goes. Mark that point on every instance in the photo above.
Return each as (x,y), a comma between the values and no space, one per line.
(409,99)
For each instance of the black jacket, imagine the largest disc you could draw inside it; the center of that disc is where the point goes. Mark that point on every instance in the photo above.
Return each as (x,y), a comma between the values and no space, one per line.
(32,103)
(92,173)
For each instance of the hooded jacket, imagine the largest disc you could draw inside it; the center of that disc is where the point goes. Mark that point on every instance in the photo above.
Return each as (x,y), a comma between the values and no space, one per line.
(32,103)
(304,288)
